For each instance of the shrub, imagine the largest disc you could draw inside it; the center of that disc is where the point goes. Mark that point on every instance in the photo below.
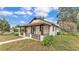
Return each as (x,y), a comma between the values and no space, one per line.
(16,34)
(70,33)
(74,34)
(58,33)
(15,29)
(65,33)
(47,40)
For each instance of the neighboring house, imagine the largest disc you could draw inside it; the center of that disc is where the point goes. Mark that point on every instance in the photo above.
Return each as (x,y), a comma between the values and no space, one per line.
(38,29)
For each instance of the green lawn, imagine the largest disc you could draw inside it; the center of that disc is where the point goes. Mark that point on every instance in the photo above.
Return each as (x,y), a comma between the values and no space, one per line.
(66,43)
(8,37)
(60,43)
(25,45)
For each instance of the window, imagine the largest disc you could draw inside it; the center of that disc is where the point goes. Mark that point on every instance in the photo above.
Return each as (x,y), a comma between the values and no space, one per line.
(41,29)
(32,30)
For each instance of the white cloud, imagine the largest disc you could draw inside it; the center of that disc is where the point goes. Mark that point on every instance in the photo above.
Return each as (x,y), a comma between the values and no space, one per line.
(41,14)
(42,11)
(20,12)
(5,13)
(55,8)
(29,13)
(26,8)
(51,19)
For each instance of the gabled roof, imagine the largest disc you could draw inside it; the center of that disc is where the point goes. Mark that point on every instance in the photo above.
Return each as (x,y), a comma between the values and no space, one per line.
(39,21)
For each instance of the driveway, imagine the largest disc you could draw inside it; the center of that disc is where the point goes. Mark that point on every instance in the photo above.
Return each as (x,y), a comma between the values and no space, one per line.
(9,41)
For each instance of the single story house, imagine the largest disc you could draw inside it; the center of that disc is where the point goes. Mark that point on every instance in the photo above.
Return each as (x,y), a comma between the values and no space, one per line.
(38,29)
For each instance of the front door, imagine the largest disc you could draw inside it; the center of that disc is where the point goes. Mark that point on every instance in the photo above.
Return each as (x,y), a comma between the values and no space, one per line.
(38,30)
(33,29)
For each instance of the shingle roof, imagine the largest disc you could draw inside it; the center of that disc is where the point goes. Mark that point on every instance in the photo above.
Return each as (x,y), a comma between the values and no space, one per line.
(35,22)
(40,22)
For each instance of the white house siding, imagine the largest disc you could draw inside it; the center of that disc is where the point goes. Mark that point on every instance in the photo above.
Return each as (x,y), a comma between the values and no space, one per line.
(50,30)
(56,29)
(19,31)
(38,30)
(46,29)
(53,30)
(28,30)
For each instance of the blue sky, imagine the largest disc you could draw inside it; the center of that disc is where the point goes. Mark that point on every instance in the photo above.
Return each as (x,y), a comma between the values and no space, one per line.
(23,15)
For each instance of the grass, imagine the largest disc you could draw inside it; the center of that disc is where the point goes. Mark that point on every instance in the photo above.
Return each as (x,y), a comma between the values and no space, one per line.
(66,43)
(8,37)
(60,43)
(25,45)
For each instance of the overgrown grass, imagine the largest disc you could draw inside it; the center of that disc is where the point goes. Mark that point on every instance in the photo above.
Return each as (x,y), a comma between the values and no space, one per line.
(66,42)
(47,41)
(8,37)
(25,45)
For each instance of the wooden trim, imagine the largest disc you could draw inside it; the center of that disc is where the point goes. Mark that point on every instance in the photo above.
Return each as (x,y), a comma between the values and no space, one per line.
(31,29)
(20,29)
(42,30)
(49,29)
(40,27)
(25,30)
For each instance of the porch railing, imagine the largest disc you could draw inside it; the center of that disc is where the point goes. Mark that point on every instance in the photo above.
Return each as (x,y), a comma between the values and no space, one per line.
(35,36)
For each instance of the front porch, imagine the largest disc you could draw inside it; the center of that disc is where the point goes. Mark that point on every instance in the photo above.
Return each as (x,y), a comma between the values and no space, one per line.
(38,29)
(37,32)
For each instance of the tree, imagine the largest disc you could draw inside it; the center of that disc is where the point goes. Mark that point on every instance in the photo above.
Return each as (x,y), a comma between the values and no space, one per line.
(4,25)
(1,24)
(15,29)
(68,15)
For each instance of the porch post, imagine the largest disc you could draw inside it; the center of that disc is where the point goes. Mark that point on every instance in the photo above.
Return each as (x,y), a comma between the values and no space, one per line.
(30,35)
(24,33)
(31,32)
(50,30)
(31,29)
(19,30)
(41,37)
(41,27)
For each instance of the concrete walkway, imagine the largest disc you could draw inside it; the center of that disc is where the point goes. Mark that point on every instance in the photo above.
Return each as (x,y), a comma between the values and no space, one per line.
(5,42)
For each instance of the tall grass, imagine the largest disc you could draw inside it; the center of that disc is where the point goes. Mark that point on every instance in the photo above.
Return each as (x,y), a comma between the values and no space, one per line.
(63,42)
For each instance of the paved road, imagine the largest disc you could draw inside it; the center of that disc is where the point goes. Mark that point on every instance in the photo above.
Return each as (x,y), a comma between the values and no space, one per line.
(5,42)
